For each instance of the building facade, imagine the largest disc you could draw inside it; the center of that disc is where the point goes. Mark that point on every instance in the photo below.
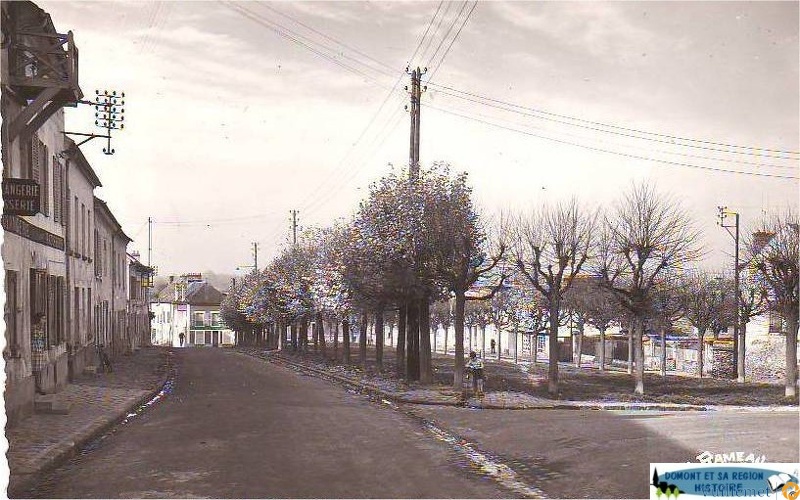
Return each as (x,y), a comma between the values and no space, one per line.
(111,281)
(188,308)
(138,320)
(80,255)
(39,78)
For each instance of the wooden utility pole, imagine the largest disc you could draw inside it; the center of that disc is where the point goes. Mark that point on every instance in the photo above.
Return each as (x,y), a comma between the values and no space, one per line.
(255,256)
(294,226)
(416,92)
(149,239)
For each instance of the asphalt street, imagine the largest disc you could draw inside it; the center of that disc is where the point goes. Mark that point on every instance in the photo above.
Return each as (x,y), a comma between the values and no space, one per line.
(238,427)
(606,454)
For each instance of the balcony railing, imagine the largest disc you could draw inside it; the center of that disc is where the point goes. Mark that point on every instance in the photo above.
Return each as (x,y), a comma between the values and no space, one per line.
(44,60)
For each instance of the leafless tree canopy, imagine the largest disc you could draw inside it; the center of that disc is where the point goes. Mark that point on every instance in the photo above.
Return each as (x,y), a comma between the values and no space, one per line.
(645,235)
(552,245)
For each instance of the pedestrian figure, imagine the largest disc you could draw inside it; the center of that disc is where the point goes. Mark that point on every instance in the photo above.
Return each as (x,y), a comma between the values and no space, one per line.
(475,367)
(492,344)
(182,337)
(105,362)
(38,351)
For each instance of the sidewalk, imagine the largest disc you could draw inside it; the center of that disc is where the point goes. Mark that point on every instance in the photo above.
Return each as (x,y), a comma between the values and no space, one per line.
(393,390)
(94,403)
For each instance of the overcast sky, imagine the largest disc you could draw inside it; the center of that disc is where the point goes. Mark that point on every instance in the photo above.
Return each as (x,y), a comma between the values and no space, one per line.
(230,125)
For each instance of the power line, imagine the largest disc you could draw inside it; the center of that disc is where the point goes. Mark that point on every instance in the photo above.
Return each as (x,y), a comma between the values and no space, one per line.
(430,23)
(461,94)
(298,39)
(452,25)
(351,171)
(390,71)
(688,155)
(608,151)
(441,61)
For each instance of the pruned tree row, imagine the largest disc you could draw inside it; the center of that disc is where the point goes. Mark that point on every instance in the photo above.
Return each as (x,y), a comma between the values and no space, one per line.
(417,255)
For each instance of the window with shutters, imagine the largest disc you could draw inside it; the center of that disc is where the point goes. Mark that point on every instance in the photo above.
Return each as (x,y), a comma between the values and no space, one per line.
(57,191)
(52,310)
(98,256)
(33,158)
(83,230)
(60,306)
(45,180)
(11,305)
(76,224)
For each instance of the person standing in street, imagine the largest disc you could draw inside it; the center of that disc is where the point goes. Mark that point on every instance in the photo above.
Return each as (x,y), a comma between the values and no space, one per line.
(475,366)
(38,350)
(182,338)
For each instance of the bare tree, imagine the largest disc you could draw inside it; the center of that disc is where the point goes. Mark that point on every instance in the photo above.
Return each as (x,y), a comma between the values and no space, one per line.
(777,266)
(647,235)
(752,293)
(668,307)
(703,301)
(596,306)
(550,247)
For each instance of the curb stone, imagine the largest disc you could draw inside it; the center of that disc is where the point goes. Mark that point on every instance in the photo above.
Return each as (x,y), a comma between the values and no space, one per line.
(65,450)
(555,405)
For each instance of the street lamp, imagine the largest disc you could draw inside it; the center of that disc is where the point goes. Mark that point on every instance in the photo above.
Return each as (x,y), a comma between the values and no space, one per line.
(738,344)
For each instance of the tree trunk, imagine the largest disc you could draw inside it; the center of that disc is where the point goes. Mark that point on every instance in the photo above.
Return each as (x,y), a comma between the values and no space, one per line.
(412,341)
(630,347)
(362,341)
(294,336)
(446,337)
(740,367)
(304,335)
(321,333)
(580,342)
(700,352)
(552,369)
(400,347)
(425,361)
(379,338)
(791,354)
(639,358)
(663,352)
(346,341)
(335,331)
(458,321)
(315,336)
(483,341)
(602,349)
(499,336)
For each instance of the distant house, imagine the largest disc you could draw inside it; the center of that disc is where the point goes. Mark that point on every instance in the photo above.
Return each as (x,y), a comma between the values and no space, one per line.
(138,334)
(191,306)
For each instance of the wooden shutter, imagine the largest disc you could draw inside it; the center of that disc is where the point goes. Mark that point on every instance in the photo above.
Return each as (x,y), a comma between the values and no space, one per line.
(12,338)
(45,182)
(57,190)
(33,153)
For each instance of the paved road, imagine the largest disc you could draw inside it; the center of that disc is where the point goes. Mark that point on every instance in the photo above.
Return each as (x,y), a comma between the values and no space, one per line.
(603,454)
(238,427)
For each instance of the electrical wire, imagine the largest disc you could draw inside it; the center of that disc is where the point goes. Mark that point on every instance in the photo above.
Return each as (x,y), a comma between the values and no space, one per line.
(302,41)
(461,93)
(517,110)
(603,150)
(441,61)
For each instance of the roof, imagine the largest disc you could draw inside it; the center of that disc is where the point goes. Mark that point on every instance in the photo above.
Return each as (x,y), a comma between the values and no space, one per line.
(82,163)
(203,293)
(138,266)
(198,293)
(103,208)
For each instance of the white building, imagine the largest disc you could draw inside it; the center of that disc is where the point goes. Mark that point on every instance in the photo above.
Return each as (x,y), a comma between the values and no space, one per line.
(189,306)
